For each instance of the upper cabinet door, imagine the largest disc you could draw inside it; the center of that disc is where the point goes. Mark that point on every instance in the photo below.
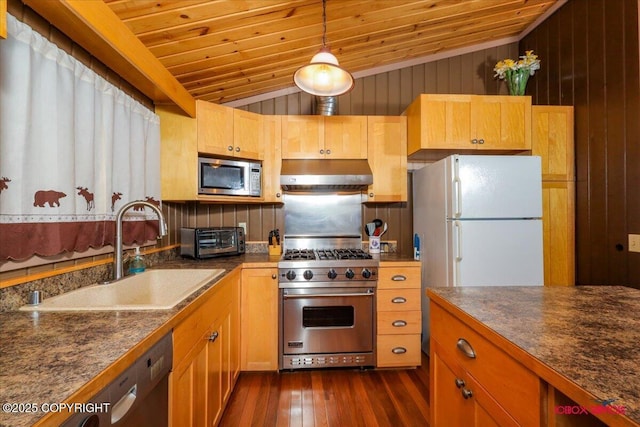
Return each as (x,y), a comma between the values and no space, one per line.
(247,135)
(345,137)
(552,140)
(387,147)
(302,137)
(215,129)
(502,122)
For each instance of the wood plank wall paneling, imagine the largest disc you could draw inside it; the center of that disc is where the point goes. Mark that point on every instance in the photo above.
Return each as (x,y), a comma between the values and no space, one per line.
(590,57)
(382,94)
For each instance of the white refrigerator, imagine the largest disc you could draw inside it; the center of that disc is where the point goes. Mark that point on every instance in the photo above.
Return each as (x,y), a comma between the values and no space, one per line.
(479,219)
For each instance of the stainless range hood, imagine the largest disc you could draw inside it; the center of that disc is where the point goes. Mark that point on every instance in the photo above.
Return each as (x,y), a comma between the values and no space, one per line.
(325,175)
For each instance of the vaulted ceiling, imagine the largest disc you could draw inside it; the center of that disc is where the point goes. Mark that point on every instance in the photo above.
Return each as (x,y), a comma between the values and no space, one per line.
(225,50)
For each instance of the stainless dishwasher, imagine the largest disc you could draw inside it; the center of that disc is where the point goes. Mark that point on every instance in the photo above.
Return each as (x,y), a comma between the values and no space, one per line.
(137,397)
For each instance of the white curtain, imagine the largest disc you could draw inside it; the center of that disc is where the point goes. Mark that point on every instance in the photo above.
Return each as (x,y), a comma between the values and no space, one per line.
(73,148)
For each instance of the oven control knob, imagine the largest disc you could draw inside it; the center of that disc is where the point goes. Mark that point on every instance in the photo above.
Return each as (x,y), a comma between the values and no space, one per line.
(332,274)
(366,273)
(349,273)
(308,274)
(291,274)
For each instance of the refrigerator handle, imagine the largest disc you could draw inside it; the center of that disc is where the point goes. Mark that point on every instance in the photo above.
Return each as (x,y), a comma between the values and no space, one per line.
(457,189)
(458,252)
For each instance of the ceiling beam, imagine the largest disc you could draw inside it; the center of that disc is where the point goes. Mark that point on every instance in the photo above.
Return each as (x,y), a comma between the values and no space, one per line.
(95,27)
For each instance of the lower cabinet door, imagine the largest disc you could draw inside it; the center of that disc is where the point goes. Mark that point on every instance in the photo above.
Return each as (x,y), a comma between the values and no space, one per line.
(457,399)
(188,390)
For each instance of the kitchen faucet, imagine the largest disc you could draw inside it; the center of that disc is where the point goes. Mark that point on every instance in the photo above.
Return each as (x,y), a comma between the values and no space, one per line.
(162,231)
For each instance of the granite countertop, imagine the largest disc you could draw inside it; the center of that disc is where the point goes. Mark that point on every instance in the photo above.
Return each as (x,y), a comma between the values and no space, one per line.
(590,335)
(47,357)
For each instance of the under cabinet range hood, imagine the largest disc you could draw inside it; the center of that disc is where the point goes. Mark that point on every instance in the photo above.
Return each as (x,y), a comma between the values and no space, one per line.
(325,175)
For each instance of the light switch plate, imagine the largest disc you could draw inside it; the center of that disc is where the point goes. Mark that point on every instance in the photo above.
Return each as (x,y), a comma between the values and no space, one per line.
(244,226)
(634,242)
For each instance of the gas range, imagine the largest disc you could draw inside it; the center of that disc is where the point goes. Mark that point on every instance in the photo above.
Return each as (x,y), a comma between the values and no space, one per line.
(332,267)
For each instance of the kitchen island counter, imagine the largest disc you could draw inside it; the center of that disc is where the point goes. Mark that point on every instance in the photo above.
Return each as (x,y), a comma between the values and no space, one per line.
(583,341)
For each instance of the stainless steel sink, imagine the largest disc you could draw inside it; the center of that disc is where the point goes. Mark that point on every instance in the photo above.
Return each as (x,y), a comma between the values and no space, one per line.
(151,290)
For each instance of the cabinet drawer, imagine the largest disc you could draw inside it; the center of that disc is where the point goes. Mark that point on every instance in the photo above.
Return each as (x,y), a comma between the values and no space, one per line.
(398,300)
(509,382)
(404,277)
(398,350)
(399,322)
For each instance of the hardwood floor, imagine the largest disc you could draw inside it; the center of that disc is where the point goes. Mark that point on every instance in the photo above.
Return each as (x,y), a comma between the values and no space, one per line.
(331,398)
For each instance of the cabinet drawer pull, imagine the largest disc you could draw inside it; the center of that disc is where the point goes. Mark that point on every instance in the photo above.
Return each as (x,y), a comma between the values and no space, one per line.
(399,278)
(460,383)
(399,323)
(213,336)
(466,393)
(399,300)
(399,350)
(464,346)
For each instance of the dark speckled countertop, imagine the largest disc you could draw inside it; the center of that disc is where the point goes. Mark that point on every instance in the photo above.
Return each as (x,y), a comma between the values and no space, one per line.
(588,334)
(46,357)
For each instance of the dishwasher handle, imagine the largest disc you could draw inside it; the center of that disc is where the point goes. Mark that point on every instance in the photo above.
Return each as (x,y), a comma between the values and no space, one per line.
(123,405)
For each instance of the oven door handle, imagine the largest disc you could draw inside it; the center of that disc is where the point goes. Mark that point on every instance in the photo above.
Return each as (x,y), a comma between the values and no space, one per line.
(352,294)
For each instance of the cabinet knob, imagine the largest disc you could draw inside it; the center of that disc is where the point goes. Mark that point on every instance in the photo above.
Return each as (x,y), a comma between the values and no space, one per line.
(237,149)
(481,141)
(328,151)
(213,336)
(399,323)
(474,141)
(399,350)
(230,148)
(466,393)
(459,383)
(399,300)
(321,151)
(464,346)
(278,195)
(370,194)
(274,277)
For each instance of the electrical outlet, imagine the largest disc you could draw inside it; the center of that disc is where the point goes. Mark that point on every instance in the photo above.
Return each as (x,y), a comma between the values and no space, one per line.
(244,226)
(634,242)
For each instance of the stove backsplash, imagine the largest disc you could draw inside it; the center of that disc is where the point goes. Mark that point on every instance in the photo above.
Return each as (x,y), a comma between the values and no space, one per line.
(323,215)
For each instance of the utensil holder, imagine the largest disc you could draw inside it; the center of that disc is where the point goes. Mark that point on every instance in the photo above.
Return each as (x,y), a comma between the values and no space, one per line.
(275,250)
(374,244)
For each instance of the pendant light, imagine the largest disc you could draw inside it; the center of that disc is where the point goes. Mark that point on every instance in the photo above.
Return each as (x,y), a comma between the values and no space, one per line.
(323,76)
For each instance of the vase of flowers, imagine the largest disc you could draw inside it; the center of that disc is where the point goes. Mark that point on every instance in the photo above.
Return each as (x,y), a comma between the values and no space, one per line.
(517,73)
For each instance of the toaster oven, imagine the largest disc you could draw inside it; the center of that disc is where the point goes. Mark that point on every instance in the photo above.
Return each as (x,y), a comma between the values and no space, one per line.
(211,242)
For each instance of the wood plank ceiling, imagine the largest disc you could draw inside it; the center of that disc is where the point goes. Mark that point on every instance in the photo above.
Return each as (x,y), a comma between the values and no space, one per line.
(225,50)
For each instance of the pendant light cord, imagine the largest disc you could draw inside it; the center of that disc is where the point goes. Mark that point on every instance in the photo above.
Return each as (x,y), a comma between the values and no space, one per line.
(324,23)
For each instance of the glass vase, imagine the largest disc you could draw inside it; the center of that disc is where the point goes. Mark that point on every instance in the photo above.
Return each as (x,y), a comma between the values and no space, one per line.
(517,81)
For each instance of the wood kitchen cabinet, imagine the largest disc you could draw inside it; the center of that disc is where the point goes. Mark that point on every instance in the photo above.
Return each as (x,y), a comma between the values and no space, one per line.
(324,137)
(387,155)
(474,382)
(225,131)
(399,315)
(259,307)
(271,166)
(552,140)
(438,125)
(206,359)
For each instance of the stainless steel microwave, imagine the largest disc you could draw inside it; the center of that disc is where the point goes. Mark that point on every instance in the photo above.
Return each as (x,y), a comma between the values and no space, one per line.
(226,177)
(211,242)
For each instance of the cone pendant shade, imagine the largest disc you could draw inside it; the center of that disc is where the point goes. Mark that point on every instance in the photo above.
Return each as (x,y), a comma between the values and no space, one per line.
(323,76)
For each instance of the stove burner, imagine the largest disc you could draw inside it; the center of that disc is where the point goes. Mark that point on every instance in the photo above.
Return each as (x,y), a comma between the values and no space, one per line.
(325,254)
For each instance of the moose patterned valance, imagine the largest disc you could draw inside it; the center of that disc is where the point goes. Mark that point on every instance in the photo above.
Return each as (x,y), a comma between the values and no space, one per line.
(73,148)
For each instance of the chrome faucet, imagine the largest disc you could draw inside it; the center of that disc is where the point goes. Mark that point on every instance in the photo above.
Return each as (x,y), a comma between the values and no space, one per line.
(117,258)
